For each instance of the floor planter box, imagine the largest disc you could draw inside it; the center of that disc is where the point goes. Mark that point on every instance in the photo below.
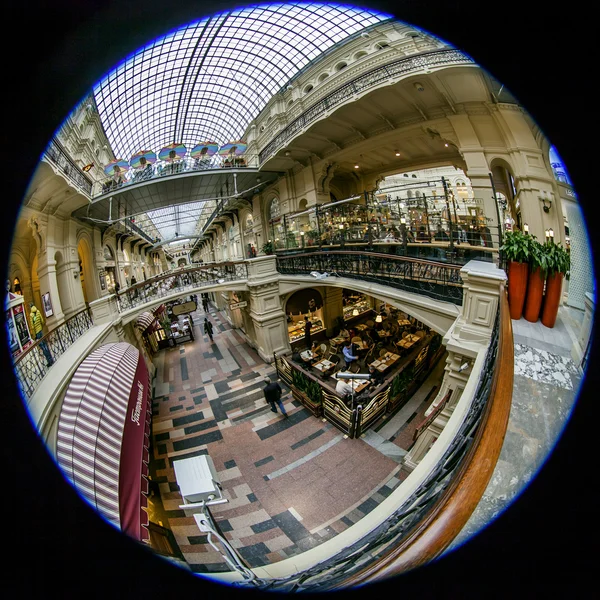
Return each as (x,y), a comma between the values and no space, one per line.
(552,299)
(315,408)
(518,274)
(535,291)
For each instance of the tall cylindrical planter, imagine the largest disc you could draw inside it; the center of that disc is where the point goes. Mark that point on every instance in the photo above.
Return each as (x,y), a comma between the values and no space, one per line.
(552,299)
(517,287)
(535,291)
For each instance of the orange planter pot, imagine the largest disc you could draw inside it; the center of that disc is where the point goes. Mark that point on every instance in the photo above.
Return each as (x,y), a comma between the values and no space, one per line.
(535,291)
(552,299)
(517,287)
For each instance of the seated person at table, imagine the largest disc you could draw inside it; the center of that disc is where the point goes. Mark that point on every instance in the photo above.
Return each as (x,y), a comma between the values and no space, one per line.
(297,358)
(348,352)
(344,333)
(376,376)
(343,387)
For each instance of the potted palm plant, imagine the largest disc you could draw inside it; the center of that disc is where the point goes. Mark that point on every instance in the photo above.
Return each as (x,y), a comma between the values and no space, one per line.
(558,264)
(516,249)
(536,280)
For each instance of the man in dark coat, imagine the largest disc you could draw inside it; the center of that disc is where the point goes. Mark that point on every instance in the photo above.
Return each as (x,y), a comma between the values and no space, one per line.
(272,392)
(208,328)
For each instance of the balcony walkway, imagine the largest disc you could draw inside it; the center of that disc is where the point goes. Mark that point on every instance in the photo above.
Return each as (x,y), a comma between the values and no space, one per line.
(546,385)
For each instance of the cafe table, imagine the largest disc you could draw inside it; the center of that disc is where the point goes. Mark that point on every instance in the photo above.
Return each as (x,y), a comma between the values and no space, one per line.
(338,340)
(357,384)
(324,365)
(307,355)
(384,334)
(404,322)
(361,327)
(361,345)
(385,362)
(409,340)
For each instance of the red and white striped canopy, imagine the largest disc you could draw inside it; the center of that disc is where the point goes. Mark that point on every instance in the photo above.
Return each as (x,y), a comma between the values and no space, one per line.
(144,321)
(103,435)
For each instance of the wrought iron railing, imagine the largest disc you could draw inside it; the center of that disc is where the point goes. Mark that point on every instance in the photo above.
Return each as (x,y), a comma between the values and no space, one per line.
(349,90)
(164,169)
(167,284)
(61,159)
(31,366)
(333,572)
(436,280)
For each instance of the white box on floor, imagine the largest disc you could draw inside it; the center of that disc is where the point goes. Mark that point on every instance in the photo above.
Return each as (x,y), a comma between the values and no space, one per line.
(197,479)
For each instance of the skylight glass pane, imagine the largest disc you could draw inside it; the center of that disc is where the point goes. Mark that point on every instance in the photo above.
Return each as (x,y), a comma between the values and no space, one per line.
(187,88)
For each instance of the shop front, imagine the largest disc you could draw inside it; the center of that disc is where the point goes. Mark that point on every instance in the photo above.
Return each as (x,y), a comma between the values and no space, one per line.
(301,307)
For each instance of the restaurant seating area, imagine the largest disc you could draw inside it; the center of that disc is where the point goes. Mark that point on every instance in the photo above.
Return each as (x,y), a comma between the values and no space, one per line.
(392,349)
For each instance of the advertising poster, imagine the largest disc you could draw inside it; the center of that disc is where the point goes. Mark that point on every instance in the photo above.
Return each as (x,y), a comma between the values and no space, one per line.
(13,343)
(21,325)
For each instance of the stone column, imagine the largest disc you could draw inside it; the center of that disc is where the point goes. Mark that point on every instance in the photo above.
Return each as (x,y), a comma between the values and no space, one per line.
(266,308)
(477,169)
(48,283)
(332,307)
(467,337)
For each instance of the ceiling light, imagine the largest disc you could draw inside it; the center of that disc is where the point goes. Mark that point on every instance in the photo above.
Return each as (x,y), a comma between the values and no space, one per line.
(287,152)
(397,153)
(419,87)
(446,144)
(356,166)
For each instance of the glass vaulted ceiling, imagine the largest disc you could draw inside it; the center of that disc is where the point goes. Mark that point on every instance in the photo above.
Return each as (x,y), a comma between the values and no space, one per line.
(207,80)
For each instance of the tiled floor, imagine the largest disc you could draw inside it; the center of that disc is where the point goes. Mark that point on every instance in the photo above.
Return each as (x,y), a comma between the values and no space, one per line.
(291,483)
(546,385)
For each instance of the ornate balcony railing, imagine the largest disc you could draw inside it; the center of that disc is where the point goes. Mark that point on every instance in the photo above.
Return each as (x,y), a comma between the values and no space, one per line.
(348,566)
(164,169)
(171,283)
(371,79)
(61,159)
(31,366)
(434,279)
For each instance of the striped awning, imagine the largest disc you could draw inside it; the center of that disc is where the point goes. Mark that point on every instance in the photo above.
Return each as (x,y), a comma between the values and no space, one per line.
(144,321)
(103,435)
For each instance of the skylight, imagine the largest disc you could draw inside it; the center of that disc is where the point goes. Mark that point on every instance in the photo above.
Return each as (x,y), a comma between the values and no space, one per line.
(207,80)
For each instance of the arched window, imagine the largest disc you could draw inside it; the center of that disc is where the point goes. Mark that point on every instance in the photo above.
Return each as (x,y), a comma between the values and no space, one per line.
(108,253)
(249,222)
(231,233)
(308,88)
(274,208)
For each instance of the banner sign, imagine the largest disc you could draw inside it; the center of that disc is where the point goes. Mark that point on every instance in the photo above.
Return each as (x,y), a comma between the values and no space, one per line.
(238,305)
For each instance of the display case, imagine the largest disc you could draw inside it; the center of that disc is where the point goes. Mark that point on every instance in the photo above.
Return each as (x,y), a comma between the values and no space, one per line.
(362,306)
(296,330)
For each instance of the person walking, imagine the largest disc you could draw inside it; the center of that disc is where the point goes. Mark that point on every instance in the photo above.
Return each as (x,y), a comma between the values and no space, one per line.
(272,392)
(205,303)
(37,324)
(208,328)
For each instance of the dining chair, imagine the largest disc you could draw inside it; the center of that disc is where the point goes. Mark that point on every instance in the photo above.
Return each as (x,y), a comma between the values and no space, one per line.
(356,339)
(382,352)
(405,334)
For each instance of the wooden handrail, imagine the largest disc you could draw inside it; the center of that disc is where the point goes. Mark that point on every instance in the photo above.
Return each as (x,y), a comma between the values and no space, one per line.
(450,514)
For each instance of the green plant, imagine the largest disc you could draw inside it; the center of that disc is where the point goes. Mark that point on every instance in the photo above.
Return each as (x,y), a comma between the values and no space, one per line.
(313,391)
(300,381)
(291,240)
(517,246)
(401,382)
(268,248)
(538,258)
(558,260)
